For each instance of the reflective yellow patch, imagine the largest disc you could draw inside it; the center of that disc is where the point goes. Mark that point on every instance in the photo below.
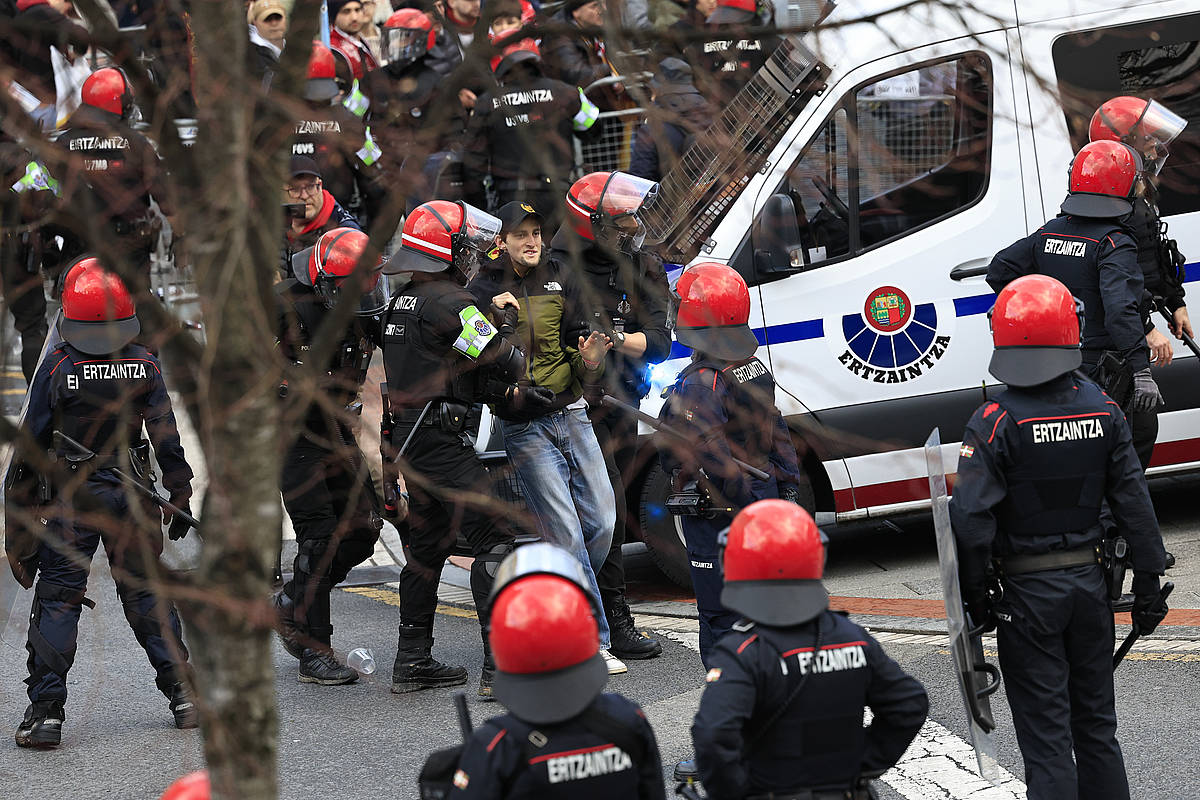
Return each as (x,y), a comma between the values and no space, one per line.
(461,780)
(528,209)
(713,675)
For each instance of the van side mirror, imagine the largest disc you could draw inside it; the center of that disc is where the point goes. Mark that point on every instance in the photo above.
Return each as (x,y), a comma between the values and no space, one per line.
(776,237)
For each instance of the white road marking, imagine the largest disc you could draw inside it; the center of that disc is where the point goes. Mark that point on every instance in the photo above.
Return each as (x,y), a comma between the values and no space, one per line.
(937,765)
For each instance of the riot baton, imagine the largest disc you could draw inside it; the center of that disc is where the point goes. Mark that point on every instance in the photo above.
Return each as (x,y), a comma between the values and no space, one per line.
(129,480)
(1166,314)
(1126,645)
(464,716)
(661,427)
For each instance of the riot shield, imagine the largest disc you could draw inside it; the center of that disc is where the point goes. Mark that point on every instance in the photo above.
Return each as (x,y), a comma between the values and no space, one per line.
(977,679)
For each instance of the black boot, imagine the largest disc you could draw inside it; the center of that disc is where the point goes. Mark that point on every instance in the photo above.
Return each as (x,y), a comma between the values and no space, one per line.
(285,624)
(627,640)
(685,771)
(42,725)
(183,706)
(415,666)
(488,676)
(322,667)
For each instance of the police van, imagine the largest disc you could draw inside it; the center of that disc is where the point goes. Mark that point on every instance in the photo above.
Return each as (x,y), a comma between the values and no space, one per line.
(861,185)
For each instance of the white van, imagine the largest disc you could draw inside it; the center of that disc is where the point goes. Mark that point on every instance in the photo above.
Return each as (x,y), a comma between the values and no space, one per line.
(862,188)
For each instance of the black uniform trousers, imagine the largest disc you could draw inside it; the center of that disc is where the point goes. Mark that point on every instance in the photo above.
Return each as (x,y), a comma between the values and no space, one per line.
(99,512)
(617,432)
(1143,425)
(449,491)
(1055,635)
(26,299)
(331,501)
(701,537)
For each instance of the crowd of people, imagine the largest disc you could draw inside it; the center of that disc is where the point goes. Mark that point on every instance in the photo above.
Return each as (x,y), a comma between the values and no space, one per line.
(517,283)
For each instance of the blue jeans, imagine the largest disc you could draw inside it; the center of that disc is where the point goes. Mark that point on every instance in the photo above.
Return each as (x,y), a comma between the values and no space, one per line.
(561,472)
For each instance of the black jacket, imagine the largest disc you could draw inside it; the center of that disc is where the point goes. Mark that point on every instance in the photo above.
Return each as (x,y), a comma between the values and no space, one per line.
(819,741)
(35,30)
(573,59)
(1034,467)
(1097,260)
(671,122)
(520,131)
(625,293)
(502,763)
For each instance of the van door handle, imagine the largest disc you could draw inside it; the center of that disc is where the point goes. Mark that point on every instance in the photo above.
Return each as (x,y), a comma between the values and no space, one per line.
(970,269)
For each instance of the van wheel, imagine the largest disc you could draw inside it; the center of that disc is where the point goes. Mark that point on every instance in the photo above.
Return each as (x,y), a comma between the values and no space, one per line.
(661,531)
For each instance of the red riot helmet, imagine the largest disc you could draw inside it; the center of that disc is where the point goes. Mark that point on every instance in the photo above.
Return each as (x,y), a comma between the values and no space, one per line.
(193,786)
(98,312)
(407,36)
(607,206)
(525,50)
(774,557)
(1035,327)
(544,636)
(1147,126)
(322,75)
(714,309)
(109,90)
(442,234)
(326,265)
(1103,179)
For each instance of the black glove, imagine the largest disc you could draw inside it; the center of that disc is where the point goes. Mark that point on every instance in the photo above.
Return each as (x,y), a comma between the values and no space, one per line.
(533,398)
(790,493)
(178,526)
(1148,611)
(1146,396)
(979,608)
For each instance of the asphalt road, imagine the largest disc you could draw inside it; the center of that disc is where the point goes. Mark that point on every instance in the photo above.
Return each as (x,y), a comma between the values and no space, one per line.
(362,741)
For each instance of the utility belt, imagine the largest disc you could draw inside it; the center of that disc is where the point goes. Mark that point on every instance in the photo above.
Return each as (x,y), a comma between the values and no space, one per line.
(1055,559)
(860,792)
(142,231)
(137,459)
(447,415)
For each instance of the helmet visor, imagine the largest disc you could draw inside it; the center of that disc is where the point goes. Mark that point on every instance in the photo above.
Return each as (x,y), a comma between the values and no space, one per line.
(1153,134)
(541,558)
(479,229)
(624,199)
(404,45)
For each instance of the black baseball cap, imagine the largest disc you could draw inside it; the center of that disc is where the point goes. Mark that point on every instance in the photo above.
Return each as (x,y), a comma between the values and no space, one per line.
(303,165)
(513,214)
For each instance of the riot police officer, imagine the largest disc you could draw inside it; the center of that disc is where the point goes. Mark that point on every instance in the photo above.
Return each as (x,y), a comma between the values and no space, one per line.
(1088,248)
(626,292)
(522,133)
(100,389)
(441,355)
(327,490)
(112,172)
(724,403)
(348,157)
(782,711)
(1036,463)
(29,192)
(1149,128)
(562,737)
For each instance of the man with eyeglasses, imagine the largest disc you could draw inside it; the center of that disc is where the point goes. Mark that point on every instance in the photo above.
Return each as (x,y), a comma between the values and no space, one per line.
(311,210)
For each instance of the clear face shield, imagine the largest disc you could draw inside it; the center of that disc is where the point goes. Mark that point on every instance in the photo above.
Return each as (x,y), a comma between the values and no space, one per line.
(405,45)
(622,203)
(1153,134)
(478,235)
(541,558)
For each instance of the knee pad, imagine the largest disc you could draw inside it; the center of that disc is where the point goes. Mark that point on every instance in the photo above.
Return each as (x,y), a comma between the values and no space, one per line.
(491,559)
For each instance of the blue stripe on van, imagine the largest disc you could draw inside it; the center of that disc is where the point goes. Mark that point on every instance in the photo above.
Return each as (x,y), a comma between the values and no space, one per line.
(815,328)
